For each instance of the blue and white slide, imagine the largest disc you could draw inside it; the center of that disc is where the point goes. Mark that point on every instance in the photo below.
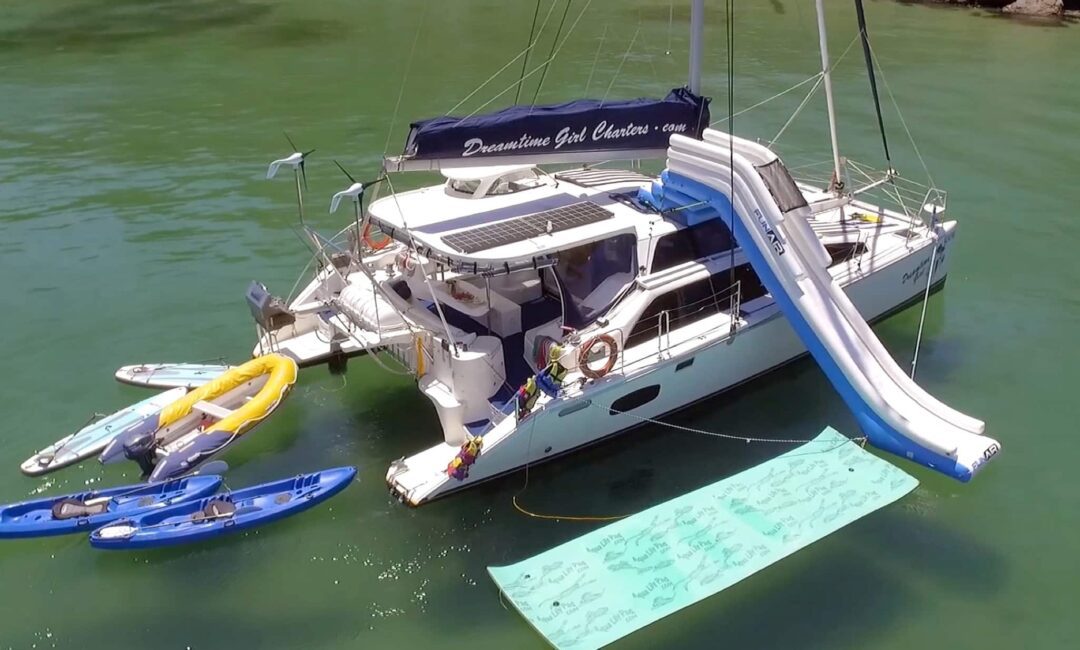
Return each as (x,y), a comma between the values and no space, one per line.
(893,411)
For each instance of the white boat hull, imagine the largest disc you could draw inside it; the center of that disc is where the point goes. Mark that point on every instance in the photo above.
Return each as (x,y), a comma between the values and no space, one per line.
(768,342)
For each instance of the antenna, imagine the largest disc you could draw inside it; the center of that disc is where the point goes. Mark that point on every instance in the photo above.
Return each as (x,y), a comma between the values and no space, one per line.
(296,161)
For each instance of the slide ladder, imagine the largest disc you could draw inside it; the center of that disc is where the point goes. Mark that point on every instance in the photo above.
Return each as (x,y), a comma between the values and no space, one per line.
(895,413)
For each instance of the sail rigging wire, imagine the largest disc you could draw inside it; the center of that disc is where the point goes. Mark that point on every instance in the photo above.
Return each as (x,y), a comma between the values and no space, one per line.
(558,49)
(798,109)
(509,63)
(873,82)
(776,96)
(427,280)
(525,63)
(816,78)
(729,7)
(820,79)
(900,115)
(547,64)
(404,80)
(621,62)
(596,59)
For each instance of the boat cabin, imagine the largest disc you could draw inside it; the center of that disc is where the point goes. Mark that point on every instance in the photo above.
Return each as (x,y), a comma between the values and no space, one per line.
(527,257)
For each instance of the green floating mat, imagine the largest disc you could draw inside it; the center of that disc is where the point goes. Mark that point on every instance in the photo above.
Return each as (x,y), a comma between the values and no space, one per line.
(615,580)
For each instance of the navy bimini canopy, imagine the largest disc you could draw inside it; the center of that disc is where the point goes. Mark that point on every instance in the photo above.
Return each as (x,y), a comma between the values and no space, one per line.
(584,125)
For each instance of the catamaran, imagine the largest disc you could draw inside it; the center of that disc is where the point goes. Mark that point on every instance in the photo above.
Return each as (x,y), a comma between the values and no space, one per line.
(545,302)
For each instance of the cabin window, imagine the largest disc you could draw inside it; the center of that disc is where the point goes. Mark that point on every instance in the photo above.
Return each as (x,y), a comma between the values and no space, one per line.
(648,325)
(592,276)
(750,286)
(523,180)
(465,187)
(692,243)
(695,301)
(631,401)
(672,250)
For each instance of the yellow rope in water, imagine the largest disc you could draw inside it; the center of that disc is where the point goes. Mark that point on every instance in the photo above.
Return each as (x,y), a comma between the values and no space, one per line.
(537,515)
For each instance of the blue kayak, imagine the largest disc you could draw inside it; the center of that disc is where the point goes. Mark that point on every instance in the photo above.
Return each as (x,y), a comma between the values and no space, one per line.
(223,513)
(85,511)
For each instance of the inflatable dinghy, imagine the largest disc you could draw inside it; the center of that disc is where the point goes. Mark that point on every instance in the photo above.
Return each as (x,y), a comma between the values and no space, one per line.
(200,424)
(94,437)
(224,513)
(169,375)
(82,512)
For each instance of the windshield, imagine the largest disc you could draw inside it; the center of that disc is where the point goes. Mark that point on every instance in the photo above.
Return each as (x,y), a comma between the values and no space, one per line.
(592,276)
(465,187)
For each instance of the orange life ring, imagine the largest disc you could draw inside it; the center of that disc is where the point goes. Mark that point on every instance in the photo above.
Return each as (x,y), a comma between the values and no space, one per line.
(372,244)
(586,350)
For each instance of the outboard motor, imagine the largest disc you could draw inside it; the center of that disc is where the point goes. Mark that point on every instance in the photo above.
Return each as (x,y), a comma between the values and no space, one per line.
(268,311)
(140,448)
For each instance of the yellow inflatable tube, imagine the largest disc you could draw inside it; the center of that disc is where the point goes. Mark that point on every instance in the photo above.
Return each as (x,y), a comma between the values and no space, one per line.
(282,371)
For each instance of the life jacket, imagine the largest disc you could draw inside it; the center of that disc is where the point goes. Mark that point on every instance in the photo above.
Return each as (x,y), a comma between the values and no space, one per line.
(551,377)
(557,371)
(459,467)
(526,397)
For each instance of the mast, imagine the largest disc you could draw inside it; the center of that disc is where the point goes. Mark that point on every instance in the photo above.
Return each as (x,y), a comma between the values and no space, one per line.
(838,181)
(697,40)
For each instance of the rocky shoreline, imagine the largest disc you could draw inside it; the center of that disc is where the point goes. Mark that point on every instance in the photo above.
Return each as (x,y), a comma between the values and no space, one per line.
(1046,8)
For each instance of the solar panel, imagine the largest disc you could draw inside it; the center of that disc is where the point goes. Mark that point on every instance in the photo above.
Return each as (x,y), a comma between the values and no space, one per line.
(522,228)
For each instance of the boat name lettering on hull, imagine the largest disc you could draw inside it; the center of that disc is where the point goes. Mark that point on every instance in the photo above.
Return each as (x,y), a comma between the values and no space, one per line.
(923,267)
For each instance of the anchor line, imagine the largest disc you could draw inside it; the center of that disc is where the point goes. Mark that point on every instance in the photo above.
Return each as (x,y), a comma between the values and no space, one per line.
(550,517)
(714,434)
(860,440)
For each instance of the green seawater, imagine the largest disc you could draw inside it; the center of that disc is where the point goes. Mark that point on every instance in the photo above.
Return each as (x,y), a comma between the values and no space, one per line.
(134,136)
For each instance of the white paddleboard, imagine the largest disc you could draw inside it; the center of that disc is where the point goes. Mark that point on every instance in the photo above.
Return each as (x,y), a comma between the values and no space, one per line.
(170,375)
(91,439)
